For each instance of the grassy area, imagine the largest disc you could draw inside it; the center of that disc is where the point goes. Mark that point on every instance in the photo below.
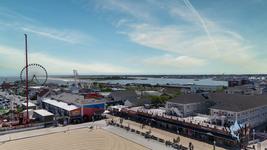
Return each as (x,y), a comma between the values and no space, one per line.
(159,100)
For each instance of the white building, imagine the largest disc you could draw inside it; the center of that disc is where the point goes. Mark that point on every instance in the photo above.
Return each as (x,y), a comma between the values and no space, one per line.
(246,109)
(187,105)
(223,108)
(244,89)
(205,88)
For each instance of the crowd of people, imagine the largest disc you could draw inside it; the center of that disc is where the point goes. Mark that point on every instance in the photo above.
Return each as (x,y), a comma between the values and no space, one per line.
(175,143)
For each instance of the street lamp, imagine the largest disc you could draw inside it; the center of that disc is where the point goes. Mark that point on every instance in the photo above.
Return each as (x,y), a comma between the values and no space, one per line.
(214,143)
(253,134)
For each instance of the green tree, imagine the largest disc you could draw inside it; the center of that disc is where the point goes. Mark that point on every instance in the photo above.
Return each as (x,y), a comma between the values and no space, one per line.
(159,100)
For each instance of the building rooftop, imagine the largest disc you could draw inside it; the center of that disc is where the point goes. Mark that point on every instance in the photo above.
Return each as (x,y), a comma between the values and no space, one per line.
(123,95)
(152,93)
(43,112)
(187,99)
(223,101)
(30,104)
(59,104)
(242,87)
(105,94)
(36,87)
(74,99)
(141,101)
(237,102)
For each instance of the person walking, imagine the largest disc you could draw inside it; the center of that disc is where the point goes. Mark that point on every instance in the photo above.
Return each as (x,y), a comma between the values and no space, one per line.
(191,146)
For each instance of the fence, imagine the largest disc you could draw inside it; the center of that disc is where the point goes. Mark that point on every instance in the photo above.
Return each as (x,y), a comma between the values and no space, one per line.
(20,128)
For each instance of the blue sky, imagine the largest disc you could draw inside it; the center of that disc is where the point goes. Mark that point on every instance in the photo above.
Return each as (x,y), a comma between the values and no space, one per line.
(135,36)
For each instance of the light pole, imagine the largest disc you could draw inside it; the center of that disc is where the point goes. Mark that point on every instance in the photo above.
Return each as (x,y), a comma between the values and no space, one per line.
(253,134)
(214,144)
(27,94)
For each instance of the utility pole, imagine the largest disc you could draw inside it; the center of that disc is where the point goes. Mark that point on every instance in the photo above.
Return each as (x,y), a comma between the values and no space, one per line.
(26,82)
(253,134)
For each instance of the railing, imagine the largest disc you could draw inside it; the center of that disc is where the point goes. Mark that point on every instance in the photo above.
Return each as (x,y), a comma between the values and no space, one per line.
(186,121)
(148,135)
(223,137)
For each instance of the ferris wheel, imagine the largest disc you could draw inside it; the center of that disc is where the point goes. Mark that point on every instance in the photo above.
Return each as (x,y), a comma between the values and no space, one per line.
(37,74)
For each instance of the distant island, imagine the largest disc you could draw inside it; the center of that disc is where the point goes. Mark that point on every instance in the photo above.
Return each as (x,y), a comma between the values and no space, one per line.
(103,77)
(218,77)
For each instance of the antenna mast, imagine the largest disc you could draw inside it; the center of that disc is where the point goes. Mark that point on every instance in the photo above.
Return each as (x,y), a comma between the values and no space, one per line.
(26,82)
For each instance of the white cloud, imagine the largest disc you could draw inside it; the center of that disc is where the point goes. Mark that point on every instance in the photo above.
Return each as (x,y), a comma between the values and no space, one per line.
(120,23)
(181,12)
(134,9)
(9,14)
(195,37)
(180,40)
(185,42)
(69,36)
(14,59)
(175,62)
(15,21)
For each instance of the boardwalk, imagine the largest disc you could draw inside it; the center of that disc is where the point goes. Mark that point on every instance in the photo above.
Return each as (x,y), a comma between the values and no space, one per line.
(167,135)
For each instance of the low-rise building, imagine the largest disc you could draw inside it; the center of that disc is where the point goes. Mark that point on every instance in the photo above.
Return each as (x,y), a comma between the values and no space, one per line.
(75,106)
(151,93)
(4,103)
(10,101)
(123,95)
(205,88)
(246,109)
(187,105)
(62,109)
(31,105)
(244,89)
(224,109)
(237,82)
(140,101)
(43,115)
(173,91)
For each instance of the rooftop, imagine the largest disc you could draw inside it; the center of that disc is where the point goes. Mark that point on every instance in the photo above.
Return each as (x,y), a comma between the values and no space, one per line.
(59,104)
(43,112)
(74,99)
(223,101)
(30,104)
(237,102)
(123,95)
(241,87)
(187,99)
(141,101)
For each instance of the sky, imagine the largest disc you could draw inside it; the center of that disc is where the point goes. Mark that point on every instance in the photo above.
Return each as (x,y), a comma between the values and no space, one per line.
(135,36)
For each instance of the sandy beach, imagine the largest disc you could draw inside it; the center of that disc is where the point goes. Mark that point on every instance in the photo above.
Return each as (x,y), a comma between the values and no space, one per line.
(80,139)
